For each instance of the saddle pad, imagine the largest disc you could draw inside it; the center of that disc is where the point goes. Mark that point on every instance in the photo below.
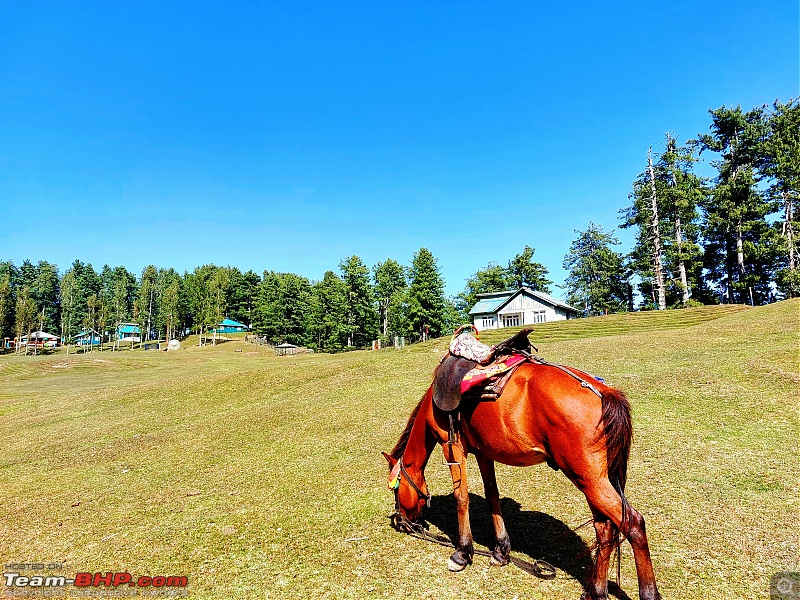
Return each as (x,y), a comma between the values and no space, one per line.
(478,375)
(468,346)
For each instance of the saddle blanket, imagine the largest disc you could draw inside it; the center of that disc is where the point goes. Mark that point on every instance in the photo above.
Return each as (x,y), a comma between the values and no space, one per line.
(479,375)
(468,346)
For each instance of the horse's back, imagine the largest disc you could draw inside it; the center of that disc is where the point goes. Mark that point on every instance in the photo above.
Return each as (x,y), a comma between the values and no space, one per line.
(541,410)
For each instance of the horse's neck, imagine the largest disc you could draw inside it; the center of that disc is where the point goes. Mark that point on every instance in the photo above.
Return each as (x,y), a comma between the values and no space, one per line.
(421,442)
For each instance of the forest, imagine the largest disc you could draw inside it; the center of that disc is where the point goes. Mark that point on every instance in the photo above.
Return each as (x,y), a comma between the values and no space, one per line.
(729,238)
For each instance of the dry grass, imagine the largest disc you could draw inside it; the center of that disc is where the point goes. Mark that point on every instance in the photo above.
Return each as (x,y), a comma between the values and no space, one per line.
(260,477)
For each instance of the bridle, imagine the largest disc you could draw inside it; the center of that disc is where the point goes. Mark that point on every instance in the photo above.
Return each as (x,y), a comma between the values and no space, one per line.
(399,521)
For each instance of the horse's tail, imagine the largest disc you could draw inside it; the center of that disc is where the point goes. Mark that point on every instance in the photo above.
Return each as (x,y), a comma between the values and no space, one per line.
(618,433)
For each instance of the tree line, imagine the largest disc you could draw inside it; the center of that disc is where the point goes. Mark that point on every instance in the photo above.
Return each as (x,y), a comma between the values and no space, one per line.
(730,238)
(345,309)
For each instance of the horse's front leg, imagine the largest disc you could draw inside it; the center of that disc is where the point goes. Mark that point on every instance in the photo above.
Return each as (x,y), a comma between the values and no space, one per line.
(502,550)
(464,551)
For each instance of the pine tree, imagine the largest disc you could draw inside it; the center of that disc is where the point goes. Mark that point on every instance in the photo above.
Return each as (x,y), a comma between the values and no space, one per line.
(25,313)
(390,288)
(664,211)
(597,277)
(148,294)
(168,303)
(740,252)
(523,271)
(218,286)
(84,282)
(328,307)
(492,278)
(283,308)
(119,289)
(427,305)
(44,293)
(778,159)
(69,300)
(199,298)
(6,306)
(361,315)
(241,294)
(9,277)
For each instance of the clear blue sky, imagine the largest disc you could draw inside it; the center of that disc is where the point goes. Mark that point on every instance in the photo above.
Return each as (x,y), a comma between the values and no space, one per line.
(289,135)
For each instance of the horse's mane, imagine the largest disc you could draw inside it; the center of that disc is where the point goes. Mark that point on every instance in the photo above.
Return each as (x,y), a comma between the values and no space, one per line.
(400,447)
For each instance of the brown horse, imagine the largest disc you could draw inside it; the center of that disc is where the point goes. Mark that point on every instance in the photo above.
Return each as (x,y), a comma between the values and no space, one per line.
(545,414)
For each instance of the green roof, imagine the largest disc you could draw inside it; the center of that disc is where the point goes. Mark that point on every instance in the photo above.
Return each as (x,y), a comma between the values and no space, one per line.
(87,333)
(231,323)
(489,305)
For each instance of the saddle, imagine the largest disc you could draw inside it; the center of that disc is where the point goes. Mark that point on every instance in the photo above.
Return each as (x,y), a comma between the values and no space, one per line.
(470,363)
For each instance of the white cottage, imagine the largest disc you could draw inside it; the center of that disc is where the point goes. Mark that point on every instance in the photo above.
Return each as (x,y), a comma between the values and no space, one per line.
(514,308)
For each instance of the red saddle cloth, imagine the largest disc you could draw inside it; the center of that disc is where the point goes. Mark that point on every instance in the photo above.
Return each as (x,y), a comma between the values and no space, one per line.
(480,374)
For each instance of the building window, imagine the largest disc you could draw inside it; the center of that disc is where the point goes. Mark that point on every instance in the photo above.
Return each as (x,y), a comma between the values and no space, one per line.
(510,320)
(539,316)
(487,322)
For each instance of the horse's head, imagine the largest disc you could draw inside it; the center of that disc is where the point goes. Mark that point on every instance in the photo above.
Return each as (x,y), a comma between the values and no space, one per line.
(410,497)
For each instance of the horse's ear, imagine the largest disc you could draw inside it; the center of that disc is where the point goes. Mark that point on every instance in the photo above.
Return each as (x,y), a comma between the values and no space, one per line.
(391,459)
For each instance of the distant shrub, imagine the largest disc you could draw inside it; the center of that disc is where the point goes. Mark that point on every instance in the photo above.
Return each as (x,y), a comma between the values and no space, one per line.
(692,303)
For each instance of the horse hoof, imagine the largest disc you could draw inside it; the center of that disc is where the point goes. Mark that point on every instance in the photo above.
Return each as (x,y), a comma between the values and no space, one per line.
(496,562)
(454,566)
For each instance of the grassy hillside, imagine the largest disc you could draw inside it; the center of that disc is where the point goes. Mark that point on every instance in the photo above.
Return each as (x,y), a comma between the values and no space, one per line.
(260,476)
(615,324)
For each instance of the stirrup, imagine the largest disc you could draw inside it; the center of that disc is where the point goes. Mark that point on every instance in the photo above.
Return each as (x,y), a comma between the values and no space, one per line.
(444,456)
(451,441)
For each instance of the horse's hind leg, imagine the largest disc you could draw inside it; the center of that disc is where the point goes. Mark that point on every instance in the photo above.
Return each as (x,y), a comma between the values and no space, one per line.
(502,550)
(597,586)
(602,497)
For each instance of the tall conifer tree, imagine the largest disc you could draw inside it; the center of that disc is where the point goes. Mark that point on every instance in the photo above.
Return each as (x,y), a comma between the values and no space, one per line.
(427,304)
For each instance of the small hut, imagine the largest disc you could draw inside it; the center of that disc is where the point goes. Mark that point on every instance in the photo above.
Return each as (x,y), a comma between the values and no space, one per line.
(230,326)
(88,337)
(41,339)
(285,349)
(128,332)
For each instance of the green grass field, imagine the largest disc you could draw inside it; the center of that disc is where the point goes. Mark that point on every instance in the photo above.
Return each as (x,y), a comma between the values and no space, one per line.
(261,477)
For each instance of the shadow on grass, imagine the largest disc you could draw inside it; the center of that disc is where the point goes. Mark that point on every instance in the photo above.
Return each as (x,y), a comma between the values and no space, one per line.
(532,533)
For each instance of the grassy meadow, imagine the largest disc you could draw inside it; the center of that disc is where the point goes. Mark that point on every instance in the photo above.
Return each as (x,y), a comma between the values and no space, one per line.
(259,476)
